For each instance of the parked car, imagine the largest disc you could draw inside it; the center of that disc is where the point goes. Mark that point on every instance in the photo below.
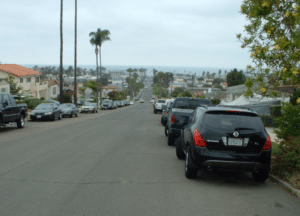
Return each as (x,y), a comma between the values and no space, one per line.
(46,111)
(11,112)
(179,113)
(118,103)
(108,104)
(80,103)
(122,103)
(158,105)
(141,101)
(131,102)
(223,137)
(52,101)
(164,116)
(89,107)
(68,109)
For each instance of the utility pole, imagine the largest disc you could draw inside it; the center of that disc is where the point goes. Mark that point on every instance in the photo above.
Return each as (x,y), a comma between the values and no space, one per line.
(61,54)
(75,60)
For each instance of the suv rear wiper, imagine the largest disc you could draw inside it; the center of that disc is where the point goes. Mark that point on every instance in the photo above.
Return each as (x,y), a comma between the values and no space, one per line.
(241,128)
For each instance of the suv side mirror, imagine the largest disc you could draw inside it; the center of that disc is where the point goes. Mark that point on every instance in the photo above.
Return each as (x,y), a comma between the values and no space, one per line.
(5,103)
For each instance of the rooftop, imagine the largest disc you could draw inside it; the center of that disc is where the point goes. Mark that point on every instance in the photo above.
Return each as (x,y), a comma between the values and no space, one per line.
(17,70)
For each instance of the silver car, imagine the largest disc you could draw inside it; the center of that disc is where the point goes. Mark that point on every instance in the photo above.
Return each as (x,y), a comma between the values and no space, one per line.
(68,109)
(89,107)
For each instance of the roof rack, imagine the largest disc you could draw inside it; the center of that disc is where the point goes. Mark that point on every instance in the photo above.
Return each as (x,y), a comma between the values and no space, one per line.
(219,105)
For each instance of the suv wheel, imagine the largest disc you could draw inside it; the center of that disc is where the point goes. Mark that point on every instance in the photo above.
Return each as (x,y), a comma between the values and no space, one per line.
(179,148)
(170,139)
(60,116)
(155,111)
(189,171)
(71,115)
(166,131)
(21,122)
(260,176)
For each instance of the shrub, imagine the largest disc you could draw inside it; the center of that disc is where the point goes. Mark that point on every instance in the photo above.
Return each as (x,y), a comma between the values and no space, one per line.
(289,123)
(215,101)
(269,121)
(67,98)
(32,103)
(275,110)
(295,96)
(42,98)
(287,156)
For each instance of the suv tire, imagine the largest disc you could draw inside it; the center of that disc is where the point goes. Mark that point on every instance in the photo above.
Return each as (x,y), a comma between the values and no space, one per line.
(189,172)
(171,139)
(179,148)
(155,111)
(166,130)
(21,121)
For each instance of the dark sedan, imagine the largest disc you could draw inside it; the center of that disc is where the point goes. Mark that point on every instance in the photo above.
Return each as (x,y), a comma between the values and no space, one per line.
(46,111)
(68,109)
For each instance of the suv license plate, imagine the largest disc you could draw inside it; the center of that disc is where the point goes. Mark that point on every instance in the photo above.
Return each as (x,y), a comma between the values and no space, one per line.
(38,116)
(235,141)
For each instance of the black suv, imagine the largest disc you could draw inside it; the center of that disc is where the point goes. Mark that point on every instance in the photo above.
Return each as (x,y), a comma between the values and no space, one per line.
(225,138)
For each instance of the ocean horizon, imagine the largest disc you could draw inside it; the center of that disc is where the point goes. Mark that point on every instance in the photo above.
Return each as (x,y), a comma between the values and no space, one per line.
(149,72)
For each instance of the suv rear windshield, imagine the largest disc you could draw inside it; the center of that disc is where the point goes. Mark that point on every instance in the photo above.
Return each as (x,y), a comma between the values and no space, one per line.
(160,101)
(190,104)
(233,121)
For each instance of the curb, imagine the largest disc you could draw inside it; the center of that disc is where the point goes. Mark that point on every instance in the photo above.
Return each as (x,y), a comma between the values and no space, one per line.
(285,185)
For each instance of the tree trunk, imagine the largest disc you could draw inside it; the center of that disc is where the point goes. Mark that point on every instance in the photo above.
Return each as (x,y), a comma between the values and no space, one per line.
(100,77)
(75,60)
(61,54)
(97,92)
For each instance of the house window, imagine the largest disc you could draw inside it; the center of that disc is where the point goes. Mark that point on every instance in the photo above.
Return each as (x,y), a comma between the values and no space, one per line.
(21,80)
(3,90)
(37,79)
(54,91)
(28,79)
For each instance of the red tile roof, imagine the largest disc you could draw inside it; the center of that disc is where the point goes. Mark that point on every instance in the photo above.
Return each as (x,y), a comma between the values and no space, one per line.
(17,70)
(109,87)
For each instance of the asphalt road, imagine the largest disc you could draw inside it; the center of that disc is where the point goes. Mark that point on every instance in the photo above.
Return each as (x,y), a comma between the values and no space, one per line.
(118,163)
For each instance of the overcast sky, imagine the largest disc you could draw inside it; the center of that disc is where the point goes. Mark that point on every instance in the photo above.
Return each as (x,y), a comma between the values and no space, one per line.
(189,33)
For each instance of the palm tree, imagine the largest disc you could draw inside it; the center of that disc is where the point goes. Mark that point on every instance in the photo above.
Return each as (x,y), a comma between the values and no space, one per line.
(161,76)
(61,54)
(98,38)
(130,70)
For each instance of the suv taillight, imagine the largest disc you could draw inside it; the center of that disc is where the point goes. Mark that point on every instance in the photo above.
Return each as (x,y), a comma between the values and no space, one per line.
(198,139)
(167,112)
(172,119)
(267,144)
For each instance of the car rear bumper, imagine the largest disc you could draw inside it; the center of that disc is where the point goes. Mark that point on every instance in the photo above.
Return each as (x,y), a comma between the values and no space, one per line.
(203,158)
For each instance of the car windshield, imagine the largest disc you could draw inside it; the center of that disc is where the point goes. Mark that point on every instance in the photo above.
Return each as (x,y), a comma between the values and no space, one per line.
(88,104)
(190,104)
(161,101)
(65,106)
(44,106)
(233,121)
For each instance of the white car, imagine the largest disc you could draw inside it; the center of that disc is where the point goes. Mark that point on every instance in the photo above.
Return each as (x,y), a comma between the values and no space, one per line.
(131,102)
(158,105)
(89,107)
(141,101)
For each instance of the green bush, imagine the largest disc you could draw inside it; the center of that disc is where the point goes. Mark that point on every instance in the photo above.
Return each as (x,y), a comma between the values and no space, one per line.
(269,121)
(295,96)
(67,98)
(289,123)
(215,101)
(32,103)
(275,110)
(287,156)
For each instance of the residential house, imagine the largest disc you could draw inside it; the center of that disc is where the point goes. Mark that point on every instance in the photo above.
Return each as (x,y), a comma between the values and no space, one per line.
(107,89)
(53,89)
(4,86)
(224,85)
(27,78)
(234,92)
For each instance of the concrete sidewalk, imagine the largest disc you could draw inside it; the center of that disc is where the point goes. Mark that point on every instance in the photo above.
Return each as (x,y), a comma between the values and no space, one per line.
(273,136)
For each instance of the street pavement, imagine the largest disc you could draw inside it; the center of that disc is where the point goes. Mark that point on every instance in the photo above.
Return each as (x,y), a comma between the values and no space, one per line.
(118,163)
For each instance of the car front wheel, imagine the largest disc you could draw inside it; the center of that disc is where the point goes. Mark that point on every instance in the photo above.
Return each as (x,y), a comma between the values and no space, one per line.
(21,122)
